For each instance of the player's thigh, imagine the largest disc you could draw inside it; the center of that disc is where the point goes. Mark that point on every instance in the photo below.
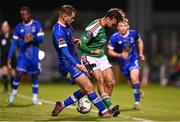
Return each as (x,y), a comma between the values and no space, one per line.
(98,76)
(109,76)
(134,73)
(22,64)
(4,70)
(84,82)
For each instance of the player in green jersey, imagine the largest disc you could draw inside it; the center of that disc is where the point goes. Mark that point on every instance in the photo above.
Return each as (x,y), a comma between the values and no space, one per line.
(91,45)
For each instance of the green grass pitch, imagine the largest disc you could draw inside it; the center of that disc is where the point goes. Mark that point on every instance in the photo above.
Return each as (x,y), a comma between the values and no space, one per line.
(160,103)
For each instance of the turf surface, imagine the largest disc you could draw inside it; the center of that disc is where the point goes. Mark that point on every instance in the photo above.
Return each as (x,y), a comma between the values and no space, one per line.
(160,103)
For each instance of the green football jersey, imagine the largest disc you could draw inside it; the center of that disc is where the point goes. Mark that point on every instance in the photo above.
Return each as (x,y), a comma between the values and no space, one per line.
(93,38)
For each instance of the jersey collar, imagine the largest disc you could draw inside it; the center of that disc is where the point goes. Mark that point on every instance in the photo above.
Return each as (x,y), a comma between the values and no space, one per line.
(125,34)
(61,24)
(28,23)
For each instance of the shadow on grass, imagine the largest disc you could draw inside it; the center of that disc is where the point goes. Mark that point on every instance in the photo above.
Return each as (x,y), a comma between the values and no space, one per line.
(19,106)
(69,117)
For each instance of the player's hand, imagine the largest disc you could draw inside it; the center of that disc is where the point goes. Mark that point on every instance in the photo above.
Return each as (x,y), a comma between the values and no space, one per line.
(9,63)
(124,55)
(78,42)
(81,68)
(98,51)
(28,38)
(142,57)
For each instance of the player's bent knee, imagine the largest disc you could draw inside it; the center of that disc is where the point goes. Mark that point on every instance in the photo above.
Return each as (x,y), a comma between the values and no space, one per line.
(88,88)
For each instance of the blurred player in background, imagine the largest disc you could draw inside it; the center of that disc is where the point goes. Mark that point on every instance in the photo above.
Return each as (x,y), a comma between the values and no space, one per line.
(122,45)
(5,43)
(92,45)
(69,65)
(28,35)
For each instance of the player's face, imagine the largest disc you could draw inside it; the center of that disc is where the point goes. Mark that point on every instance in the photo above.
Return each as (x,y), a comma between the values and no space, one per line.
(123,27)
(69,19)
(5,28)
(25,16)
(111,23)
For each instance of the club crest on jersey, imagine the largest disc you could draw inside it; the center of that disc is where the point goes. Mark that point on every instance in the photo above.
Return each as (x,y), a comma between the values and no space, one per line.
(22,30)
(33,29)
(88,34)
(61,41)
(131,39)
(119,42)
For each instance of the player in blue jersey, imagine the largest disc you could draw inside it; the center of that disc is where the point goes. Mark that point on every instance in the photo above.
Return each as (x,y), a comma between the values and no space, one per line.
(28,35)
(69,66)
(122,45)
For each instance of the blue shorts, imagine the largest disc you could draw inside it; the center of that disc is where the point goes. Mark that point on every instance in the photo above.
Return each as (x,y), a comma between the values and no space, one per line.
(70,72)
(127,66)
(31,66)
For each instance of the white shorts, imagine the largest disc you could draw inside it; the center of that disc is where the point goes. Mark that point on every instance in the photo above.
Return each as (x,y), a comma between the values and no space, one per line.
(97,63)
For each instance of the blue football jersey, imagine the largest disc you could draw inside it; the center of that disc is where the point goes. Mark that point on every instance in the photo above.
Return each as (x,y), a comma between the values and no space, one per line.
(34,28)
(125,43)
(62,37)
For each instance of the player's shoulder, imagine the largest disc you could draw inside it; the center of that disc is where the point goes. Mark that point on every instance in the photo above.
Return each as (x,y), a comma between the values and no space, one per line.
(58,29)
(93,25)
(114,36)
(133,32)
(36,23)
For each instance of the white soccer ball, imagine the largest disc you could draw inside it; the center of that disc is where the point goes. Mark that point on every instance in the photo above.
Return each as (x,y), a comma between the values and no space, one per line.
(83,106)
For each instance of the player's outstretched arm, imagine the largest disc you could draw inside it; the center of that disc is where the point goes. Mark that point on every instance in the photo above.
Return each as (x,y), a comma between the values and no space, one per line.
(141,48)
(66,53)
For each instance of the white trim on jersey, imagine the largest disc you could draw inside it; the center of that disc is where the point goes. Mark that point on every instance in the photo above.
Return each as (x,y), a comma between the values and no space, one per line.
(62,45)
(15,37)
(110,47)
(40,34)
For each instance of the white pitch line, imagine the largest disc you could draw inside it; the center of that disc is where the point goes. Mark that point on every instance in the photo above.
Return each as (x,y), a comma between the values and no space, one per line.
(73,107)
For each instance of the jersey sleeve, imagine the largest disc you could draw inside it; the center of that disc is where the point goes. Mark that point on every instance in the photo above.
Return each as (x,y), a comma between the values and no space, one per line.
(86,36)
(59,38)
(39,37)
(137,37)
(16,33)
(14,42)
(112,42)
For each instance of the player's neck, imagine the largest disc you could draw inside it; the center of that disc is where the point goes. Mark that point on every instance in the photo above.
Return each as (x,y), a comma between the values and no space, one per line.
(60,21)
(28,22)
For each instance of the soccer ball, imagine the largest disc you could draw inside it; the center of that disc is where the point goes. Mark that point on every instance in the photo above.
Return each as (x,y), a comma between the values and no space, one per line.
(83,106)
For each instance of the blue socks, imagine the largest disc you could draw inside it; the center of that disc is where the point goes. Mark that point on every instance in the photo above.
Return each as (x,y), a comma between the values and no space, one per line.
(73,98)
(35,86)
(136,88)
(96,101)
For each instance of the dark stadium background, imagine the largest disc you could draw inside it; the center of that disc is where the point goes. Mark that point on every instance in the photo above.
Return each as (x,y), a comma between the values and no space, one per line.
(158,22)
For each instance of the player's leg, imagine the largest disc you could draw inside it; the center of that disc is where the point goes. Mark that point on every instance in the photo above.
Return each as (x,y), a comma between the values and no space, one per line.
(109,82)
(5,77)
(34,69)
(21,69)
(134,74)
(13,74)
(86,87)
(35,89)
(13,70)
(16,82)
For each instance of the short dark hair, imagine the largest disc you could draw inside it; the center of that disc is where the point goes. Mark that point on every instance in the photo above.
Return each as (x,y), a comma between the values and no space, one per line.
(25,8)
(116,13)
(67,9)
